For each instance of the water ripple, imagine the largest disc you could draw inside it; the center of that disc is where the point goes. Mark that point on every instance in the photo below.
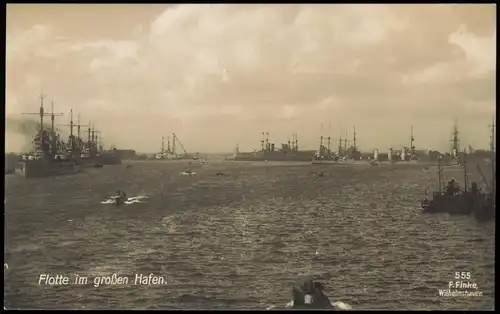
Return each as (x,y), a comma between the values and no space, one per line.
(240,240)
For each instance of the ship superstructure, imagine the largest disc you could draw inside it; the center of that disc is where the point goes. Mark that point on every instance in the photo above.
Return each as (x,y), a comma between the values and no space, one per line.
(48,157)
(170,152)
(269,152)
(347,150)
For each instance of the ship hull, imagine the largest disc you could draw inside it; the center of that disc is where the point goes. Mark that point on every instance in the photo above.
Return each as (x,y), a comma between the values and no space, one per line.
(407,163)
(41,169)
(90,162)
(110,159)
(305,156)
(340,162)
(462,204)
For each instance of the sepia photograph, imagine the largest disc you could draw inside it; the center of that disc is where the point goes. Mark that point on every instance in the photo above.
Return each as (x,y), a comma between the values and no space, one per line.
(250,156)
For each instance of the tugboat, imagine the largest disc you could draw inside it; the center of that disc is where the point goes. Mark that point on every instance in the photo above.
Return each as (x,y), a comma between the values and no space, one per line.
(452,200)
(48,158)
(486,210)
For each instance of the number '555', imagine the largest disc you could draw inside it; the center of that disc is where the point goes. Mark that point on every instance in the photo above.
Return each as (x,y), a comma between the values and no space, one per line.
(462,275)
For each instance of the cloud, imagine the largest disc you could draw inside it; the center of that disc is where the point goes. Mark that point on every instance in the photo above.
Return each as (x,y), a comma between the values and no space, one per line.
(247,65)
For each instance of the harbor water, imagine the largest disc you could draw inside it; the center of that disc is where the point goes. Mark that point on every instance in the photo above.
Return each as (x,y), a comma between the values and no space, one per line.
(239,239)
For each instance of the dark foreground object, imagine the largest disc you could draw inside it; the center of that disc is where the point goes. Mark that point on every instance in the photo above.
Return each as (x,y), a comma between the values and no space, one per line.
(308,294)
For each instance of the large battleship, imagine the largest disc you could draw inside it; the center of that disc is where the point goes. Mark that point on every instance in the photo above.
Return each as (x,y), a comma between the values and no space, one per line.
(48,157)
(170,153)
(85,154)
(268,151)
(94,149)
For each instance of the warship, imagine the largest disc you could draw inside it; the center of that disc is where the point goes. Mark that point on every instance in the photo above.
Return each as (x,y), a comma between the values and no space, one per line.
(268,151)
(89,152)
(345,154)
(107,157)
(406,155)
(409,155)
(170,153)
(80,151)
(48,157)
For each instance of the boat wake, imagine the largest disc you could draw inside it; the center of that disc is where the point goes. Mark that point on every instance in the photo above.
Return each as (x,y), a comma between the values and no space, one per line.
(130,200)
(339,305)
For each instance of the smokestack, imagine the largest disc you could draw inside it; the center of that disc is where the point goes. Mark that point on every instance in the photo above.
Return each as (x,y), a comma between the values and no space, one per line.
(296,142)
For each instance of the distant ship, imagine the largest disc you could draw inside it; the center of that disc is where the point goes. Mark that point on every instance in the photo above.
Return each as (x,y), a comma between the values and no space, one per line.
(268,152)
(345,155)
(170,152)
(48,157)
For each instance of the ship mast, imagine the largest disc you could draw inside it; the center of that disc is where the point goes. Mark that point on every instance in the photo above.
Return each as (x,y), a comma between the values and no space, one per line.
(412,140)
(173,144)
(262,142)
(95,138)
(340,143)
(78,132)
(71,136)
(162,145)
(439,175)
(345,143)
(492,147)
(89,135)
(71,125)
(455,141)
(53,130)
(465,171)
(354,147)
(98,146)
(41,114)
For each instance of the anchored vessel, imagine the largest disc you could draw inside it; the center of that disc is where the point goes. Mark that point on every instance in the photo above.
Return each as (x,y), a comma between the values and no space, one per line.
(268,152)
(345,154)
(487,210)
(85,154)
(469,201)
(170,153)
(48,157)
(452,200)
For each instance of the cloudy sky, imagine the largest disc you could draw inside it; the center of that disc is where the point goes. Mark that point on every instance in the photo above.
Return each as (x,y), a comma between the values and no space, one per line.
(218,75)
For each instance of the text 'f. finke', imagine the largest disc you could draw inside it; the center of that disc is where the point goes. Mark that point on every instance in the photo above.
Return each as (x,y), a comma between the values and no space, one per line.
(151,279)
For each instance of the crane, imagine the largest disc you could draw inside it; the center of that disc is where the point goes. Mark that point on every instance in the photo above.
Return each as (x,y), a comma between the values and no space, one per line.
(176,139)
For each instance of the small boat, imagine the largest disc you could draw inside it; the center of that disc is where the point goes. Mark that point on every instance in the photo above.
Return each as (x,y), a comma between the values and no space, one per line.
(309,294)
(123,200)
